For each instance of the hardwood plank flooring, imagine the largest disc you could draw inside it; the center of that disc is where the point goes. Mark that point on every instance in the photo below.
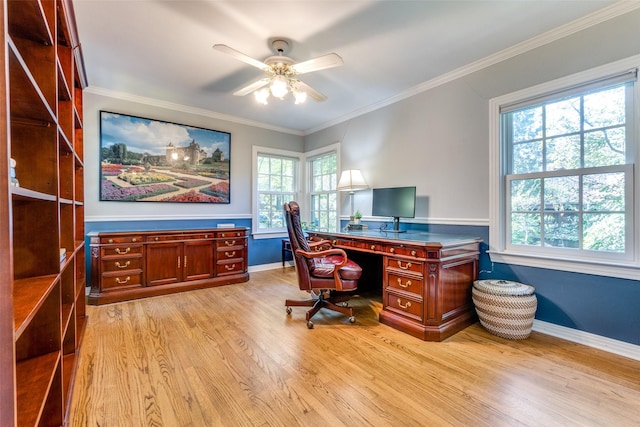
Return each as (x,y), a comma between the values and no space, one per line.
(230,356)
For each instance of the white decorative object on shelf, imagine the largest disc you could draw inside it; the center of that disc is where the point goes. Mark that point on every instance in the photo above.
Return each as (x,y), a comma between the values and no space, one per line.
(12,174)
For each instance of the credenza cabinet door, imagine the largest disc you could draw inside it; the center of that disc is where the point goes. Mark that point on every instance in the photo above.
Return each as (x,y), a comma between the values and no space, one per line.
(198,260)
(164,263)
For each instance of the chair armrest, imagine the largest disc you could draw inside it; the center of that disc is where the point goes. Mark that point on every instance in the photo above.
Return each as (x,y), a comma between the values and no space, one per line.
(336,267)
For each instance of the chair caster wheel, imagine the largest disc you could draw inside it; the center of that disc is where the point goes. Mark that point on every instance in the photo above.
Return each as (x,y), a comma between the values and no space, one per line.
(309,324)
(345,304)
(352,319)
(289,310)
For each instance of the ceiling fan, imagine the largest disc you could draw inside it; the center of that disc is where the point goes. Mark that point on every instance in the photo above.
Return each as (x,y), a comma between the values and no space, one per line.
(281,72)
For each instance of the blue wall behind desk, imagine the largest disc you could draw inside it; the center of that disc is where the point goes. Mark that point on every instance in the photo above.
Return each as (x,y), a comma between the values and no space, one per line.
(605,306)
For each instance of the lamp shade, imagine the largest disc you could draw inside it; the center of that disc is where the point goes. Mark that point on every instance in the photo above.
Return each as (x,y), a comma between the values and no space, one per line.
(352,180)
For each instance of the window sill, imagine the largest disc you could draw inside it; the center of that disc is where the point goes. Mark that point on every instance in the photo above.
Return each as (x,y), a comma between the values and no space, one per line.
(608,269)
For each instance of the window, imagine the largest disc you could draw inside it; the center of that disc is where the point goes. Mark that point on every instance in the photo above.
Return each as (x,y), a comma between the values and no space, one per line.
(277,182)
(566,172)
(324,199)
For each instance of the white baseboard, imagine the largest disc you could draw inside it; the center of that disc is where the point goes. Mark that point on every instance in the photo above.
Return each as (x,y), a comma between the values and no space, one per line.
(272,266)
(620,348)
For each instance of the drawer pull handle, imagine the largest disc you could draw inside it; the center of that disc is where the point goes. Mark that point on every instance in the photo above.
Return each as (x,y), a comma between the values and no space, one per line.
(123,266)
(392,250)
(404,285)
(122,252)
(407,305)
(122,282)
(178,262)
(206,236)
(373,247)
(230,254)
(406,266)
(413,253)
(230,267)
(226,242)
(110,240)
(156,239)
(134,240)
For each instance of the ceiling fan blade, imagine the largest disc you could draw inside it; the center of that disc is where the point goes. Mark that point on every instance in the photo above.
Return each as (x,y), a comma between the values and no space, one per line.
(317,96)
(251,87)
(241,56)
(320,63)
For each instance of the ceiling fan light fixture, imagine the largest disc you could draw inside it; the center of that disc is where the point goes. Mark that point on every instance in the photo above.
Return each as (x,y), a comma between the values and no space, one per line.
(261,96)
(300,96)
(279,86)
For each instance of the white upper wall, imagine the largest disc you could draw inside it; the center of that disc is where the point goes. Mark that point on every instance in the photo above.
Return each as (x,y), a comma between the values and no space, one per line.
(243,137)
(438,140)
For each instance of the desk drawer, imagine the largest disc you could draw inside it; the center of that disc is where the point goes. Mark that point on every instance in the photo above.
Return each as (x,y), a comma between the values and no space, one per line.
(405,265)
(121,250)
(406,284)
(406,306)
(412,251)
(367,246)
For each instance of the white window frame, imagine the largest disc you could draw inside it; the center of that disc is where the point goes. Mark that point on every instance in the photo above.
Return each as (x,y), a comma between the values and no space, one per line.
(309,157)
(256,232)
(499,250)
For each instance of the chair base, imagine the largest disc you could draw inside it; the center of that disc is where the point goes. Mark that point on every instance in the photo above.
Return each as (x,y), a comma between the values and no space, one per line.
(319,301)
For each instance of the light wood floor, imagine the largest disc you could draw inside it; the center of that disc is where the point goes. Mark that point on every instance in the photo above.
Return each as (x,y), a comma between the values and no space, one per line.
(229,356)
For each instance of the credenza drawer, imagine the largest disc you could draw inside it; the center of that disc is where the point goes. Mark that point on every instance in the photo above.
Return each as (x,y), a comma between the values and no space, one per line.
(405,265)
(178,237)
(228,243)
(230,267)
(230,253)
(112,282)
(122,264)
(406,284)
(228,234)
(405,306)
(121,250)
(121,239)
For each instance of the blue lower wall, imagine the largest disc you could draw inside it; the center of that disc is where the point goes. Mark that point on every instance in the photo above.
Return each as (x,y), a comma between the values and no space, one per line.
(605,306)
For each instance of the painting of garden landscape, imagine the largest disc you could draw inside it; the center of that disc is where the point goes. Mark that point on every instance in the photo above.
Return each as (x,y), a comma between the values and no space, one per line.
(146,160)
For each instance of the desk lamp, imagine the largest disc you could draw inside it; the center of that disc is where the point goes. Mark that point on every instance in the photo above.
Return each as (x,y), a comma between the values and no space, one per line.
(351,180)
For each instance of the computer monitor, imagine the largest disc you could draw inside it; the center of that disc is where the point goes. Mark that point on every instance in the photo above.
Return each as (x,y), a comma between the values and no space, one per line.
(396,202)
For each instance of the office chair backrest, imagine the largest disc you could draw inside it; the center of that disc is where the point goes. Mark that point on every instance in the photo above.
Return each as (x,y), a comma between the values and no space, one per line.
(304,266)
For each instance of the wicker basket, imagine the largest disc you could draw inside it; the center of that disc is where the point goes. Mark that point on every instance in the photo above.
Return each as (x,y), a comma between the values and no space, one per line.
(505,308)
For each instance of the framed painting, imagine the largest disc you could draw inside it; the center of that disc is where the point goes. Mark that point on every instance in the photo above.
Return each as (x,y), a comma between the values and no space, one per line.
(147,160)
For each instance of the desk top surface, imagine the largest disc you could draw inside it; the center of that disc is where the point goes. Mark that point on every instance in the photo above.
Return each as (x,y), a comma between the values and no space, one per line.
(408,237)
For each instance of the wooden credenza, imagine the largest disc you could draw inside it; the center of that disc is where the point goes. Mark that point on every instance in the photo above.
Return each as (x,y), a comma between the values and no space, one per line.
(130,265)
(426,278)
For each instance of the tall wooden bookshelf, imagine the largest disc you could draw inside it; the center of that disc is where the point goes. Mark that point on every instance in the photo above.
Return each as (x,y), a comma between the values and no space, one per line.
(42,254)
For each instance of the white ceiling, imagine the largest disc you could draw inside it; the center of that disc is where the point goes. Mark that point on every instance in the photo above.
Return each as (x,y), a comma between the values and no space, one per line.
(163,49)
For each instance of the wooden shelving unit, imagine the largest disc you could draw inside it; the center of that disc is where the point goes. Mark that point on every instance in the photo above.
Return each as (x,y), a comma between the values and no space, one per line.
(42,266)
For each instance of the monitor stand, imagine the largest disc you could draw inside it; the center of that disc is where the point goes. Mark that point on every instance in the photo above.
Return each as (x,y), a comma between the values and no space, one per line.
(396,225)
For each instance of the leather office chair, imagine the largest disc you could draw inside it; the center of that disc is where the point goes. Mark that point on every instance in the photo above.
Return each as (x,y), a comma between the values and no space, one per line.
(327,274)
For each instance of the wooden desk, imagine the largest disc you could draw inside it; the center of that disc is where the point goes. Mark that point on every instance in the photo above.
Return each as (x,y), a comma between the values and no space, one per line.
(426,278)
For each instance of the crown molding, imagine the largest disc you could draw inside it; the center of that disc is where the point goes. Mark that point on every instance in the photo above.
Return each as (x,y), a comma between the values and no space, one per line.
(96,90)
(617,9)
